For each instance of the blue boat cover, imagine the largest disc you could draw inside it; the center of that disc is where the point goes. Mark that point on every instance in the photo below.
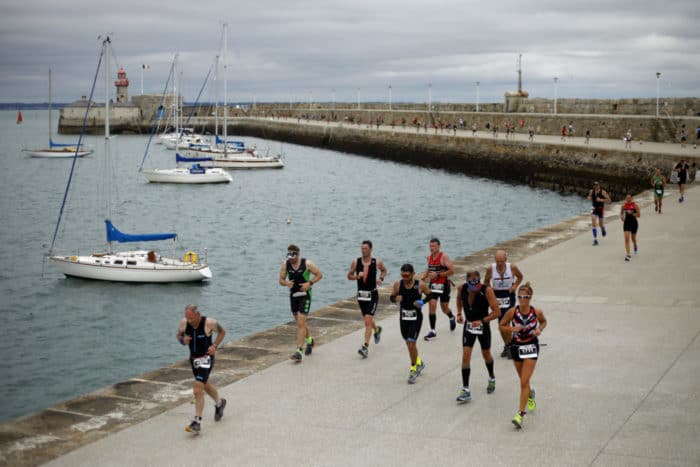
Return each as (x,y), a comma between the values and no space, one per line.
(179,158)
(238,144)
(60,145)
(114,235)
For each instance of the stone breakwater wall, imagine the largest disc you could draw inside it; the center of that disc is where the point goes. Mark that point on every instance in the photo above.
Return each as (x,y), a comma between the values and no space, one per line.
(560,168)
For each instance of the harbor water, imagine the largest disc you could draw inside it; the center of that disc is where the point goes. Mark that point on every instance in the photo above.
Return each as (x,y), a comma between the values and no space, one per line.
(66,337)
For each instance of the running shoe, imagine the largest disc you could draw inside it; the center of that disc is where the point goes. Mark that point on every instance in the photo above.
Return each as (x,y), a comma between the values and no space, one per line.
(412,376)
(219,410)
(628,258)
(492,386)
(430,336)
(531,405)
(420,368)
(296,356)
(194,427)
(464,396)
(309,347)
(377,334)
(602,231)
(595,242)
(518,421)
(453,323)
(364,351)
(635,250)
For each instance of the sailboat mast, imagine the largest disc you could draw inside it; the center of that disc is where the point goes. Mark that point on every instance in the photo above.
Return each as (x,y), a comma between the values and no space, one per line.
(225,93)
(108,161)
(50,132)
(216,96)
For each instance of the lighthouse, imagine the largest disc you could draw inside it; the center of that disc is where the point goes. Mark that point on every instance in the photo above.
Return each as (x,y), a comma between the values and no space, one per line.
(122,84)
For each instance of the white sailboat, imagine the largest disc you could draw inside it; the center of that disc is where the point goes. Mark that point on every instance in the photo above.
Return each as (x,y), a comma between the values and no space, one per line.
(193,174)
(126,266)
(57,150)
(224,153)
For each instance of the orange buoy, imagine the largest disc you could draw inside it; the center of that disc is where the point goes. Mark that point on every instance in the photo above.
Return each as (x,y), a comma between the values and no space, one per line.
(19,117)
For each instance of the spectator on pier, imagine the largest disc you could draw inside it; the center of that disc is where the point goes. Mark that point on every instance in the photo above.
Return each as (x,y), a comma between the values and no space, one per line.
(563,133)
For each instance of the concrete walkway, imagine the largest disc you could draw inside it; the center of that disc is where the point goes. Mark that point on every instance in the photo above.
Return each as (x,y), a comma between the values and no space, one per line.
(617,380)
(689,152)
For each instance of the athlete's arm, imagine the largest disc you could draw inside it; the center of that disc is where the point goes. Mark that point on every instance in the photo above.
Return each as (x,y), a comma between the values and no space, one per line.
(313,269)
(487,276)
(622,212)
(590,194)
(447,262)
(460,318)
(283,276)
(607,196)
(637,211)
(493,304)
(504,325)
(518,277)
(425,288)
(181,337)
(214,326)
(542,320)
(395,297)
(351,272)
(382,271)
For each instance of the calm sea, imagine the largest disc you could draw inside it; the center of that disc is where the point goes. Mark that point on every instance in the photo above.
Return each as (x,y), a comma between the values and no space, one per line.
(65,337)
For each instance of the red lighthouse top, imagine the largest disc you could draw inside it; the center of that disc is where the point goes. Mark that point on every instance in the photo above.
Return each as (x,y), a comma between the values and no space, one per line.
(122,80)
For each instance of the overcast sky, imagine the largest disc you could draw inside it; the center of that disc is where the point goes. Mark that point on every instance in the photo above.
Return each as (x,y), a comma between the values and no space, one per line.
(305,49)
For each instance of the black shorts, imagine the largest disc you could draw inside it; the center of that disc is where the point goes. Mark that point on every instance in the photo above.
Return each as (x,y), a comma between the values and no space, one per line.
(369,307)
(515,350)
(630,225)
(682,180)
(300,304)
(202,374)
(468,339)
(599,212)
(444,297)
(410,328)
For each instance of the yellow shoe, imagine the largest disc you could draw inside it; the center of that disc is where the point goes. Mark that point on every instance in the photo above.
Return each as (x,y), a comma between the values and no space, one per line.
(518,421)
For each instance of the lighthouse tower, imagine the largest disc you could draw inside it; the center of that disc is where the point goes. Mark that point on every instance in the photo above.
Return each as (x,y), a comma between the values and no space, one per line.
(122,84)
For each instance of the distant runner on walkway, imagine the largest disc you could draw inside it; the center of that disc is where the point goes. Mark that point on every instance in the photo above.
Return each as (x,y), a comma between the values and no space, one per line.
(628,215)
(658,181)
(598,198)
(437,275)
(195,331)
(364,271)
(295,274)
(526,324)
(407,292)
(505,278)
(476,299)
(682,169)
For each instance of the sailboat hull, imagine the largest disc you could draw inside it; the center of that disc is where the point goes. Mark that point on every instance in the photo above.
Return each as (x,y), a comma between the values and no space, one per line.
(131,266)
(183,175)
(58,153)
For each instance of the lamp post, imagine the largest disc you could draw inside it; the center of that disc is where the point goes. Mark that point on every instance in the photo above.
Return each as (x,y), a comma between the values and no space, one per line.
(658,79)
(358,98)
(477,95)
(390,98)
(430,97)
(556,80)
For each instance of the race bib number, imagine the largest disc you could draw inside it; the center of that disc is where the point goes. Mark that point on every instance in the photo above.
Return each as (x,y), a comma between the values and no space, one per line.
(437,288)
(503,302)
(202,362)
(364,295)
(409,315)
(659,191)
(527,351)
(298,294)
(478,330)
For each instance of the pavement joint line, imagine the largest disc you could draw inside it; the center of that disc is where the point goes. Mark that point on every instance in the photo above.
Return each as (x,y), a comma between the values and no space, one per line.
(162,383)
(326,318)
(650,458)
(644,399)
(235,346)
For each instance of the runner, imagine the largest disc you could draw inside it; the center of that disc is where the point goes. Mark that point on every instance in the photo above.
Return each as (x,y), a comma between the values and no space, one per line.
(196,332)
(407,292)
(476,298)
(682,169)
(505,278)
(364,271)
(295,274)
(598,197)
(628,215)
(522,322)
(658,181)
(439,270)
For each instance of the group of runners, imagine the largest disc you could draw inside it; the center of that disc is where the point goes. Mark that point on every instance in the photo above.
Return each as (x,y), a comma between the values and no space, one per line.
(478,302)
(630,211)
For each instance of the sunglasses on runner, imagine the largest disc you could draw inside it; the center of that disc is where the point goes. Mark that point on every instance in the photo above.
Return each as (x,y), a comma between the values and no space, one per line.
(292,254)
(523,297)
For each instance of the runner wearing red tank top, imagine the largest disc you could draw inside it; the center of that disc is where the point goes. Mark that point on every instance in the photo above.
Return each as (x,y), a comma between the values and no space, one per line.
(437,275)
